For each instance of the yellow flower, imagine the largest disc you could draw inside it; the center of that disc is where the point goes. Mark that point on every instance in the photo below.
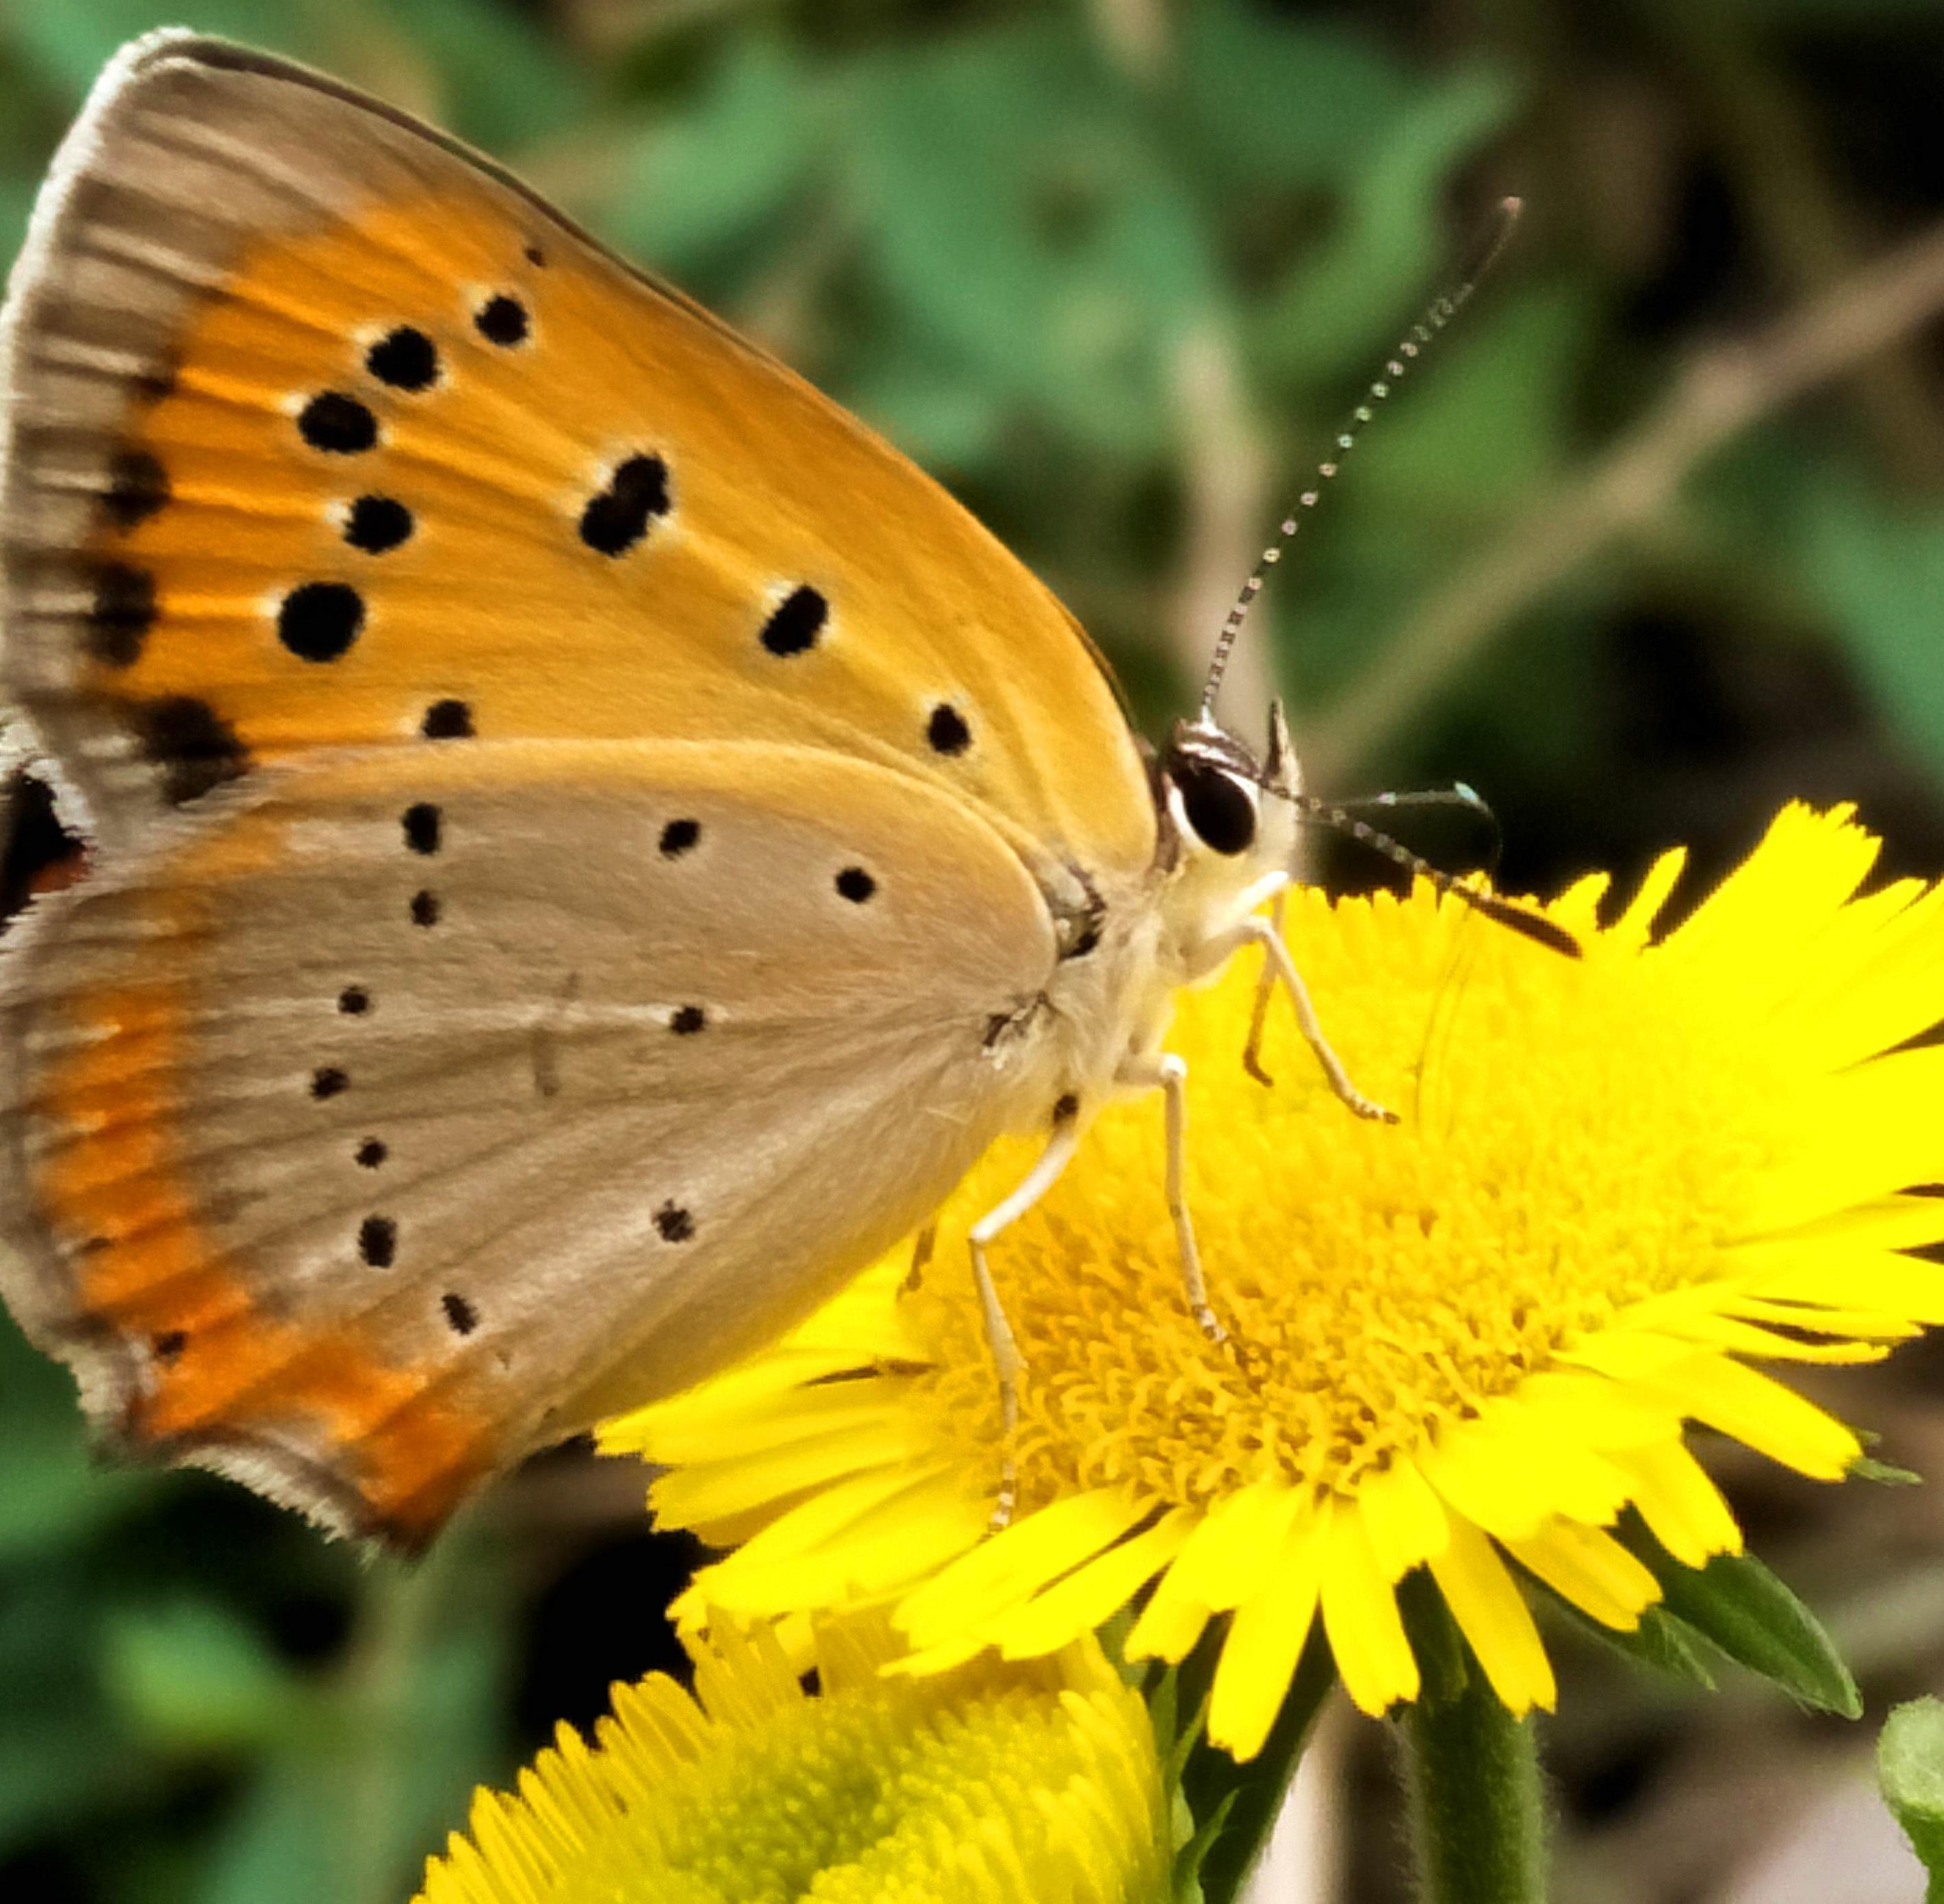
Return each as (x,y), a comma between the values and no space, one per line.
(987,1784)
(1465,1342)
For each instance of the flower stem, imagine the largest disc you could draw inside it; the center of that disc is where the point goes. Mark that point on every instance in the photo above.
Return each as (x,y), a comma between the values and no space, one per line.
(1477,1811)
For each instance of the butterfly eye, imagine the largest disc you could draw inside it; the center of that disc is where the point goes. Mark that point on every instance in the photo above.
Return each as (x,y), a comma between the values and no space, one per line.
(1219,806)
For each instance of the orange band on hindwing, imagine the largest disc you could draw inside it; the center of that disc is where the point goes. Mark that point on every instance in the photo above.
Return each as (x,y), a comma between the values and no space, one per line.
(219,1370)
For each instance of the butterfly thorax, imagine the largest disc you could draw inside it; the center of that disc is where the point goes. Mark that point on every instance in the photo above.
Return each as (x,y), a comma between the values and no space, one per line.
(1226,845)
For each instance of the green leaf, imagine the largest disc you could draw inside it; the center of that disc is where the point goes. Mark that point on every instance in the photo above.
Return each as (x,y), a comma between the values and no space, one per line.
(55,1493)
(1493,423)
(61,1755)
(192,1677)
(477,64)
(501,80)
(1739,1605)
(68,44)
(283,1843)
(1910,1766)
(1388,246)
(1240,68)
(700,182)
(1877,566)
(1189,1859)
(57,1765)
(1020,214)
(1662,1643)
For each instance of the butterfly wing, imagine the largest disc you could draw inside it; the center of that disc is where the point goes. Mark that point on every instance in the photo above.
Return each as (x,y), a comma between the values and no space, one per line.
(379,1125)
(323,432)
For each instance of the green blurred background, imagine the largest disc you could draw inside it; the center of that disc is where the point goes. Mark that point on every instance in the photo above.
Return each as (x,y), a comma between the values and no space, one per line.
(1115,271)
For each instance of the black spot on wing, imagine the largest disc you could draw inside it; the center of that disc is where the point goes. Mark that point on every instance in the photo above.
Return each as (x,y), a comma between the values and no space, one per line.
(378,1241)
(194,747)
(406,358)
(946,730)
(123,611)
(618,518)
(793,628)
(504,321)
(677,836)
(460,1315)
(157,381)
(318,621)
(354,1001)
(338,424)
(169,1346)
(138,486)
(686,1020)
(674,1223)
(371,1153)
(421,826)
(448,720)
(377,525)
(855,884)
(424,909)
(328,1081)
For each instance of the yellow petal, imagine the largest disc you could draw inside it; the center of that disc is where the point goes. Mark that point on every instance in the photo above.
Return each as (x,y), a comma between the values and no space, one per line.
(1575,1404)
(1591,1570)
(1403,1516)
(1265,1639)
(794,1560)
(707,1490)
(1485,1483)
(1092,1593)
(1635,925)
(1492,1613)
(1016,1561)
(1870,1278)
(1168,1627)
(1772,1420)
(1360,1613)
(1680,1504)
(1233,1546)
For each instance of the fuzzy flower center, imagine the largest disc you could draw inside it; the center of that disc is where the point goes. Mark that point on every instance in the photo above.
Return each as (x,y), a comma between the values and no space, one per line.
(849,1801)
(985,1786)
(1566,1149)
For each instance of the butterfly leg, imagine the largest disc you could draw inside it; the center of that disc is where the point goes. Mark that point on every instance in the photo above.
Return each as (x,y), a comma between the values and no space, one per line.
(1163,1071)
(922,1246)
(1259,1013)
(1278,965)
(1006,1357)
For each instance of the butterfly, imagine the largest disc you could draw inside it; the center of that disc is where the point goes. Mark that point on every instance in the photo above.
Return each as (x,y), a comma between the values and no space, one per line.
(585,845)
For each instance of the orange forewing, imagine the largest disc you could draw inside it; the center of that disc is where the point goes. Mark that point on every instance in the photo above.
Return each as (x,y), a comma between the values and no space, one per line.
(495,601)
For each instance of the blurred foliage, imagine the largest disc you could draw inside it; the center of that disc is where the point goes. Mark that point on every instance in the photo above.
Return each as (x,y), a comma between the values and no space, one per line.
(1015,235)
(1910,1762)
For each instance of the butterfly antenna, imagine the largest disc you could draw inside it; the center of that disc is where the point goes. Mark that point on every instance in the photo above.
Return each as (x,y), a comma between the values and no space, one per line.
(1534,925)
(1443,309)
(1468,799)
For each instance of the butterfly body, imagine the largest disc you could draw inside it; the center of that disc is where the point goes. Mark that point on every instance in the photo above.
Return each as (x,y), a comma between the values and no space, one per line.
(586,846)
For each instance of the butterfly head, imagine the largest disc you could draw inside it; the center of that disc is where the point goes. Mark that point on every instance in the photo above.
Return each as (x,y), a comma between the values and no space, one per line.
(1233,834)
